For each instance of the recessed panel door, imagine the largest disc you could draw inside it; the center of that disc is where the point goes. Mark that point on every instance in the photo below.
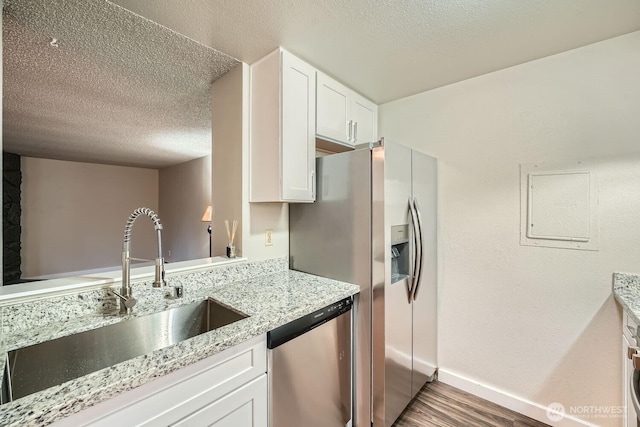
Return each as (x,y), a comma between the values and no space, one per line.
(364,114)
(332,121)
(298,129)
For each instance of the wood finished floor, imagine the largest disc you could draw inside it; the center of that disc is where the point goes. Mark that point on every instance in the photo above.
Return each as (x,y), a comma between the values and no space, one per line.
(440,405)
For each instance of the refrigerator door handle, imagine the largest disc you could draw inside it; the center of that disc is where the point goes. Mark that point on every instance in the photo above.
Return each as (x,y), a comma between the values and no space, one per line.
(417,247)
(421,261)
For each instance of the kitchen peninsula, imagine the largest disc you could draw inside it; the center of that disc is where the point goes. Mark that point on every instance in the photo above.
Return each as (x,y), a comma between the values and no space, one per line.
(265,290)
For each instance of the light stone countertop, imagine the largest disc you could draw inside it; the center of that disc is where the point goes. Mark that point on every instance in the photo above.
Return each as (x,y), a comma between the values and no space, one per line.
(267,291)
(626,290)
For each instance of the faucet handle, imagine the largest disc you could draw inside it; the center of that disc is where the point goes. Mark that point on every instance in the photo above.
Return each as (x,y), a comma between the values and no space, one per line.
(128,302)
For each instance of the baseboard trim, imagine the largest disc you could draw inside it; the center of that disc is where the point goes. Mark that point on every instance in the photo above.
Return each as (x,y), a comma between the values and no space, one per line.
(507,400)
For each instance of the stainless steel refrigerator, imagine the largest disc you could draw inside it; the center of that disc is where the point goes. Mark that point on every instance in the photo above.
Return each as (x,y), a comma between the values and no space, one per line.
(374,223)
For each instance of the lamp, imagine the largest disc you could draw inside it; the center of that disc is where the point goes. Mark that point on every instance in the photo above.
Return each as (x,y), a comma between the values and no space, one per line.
(207,218)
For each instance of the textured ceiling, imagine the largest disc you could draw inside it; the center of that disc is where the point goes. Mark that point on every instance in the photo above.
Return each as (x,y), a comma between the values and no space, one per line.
(389,49)
(122,89)
(118,89)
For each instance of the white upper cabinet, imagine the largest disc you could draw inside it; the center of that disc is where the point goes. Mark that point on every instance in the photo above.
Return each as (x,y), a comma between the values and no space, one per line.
(364,115)
(332,112)
(342,115)
(282,129)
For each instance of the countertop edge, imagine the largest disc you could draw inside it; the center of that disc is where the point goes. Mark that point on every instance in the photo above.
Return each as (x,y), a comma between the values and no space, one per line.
(626,290)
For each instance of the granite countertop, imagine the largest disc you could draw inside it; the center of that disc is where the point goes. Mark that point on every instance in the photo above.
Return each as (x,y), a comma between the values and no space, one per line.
(626,290)
(270,295)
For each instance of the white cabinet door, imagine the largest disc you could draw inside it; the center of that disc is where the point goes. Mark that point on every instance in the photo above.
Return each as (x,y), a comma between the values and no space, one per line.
(342,115)
(364,114)
(245,407)
(298,129)
(332,111)
(282,129)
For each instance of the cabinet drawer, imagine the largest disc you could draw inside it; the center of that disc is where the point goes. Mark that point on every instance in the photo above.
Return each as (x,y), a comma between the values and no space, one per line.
(176,395)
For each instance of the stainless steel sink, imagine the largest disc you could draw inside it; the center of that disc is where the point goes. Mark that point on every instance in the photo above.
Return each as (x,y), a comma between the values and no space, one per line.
(40,366)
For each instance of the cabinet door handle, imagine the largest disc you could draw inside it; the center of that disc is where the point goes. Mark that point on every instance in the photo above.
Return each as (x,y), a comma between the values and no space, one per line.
(355,131)
(313,185)
(350,125)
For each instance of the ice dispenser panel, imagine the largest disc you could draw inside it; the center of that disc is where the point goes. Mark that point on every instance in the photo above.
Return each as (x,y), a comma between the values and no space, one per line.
(399,252)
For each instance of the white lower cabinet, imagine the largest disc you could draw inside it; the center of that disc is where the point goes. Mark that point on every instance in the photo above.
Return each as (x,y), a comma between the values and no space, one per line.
(226,389)
(245,407)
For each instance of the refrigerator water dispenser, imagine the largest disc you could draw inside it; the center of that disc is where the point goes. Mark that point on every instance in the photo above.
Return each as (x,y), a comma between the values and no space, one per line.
(399,252)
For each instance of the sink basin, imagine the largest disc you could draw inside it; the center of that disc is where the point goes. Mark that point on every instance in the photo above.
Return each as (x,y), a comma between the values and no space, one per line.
(40,366)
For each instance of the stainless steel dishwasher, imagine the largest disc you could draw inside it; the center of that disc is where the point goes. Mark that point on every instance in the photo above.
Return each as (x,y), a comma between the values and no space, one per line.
(310,369)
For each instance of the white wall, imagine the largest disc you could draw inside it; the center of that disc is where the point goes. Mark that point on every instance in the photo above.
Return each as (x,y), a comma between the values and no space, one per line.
(184,194)
(230,123)
(536,323)
(226,124)
(73,215)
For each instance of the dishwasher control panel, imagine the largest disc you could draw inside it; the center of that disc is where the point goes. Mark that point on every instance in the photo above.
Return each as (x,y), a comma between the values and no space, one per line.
(306,323)
(340,307)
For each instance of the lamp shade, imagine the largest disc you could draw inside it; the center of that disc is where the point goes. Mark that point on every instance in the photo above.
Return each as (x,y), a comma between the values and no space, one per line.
(207,214)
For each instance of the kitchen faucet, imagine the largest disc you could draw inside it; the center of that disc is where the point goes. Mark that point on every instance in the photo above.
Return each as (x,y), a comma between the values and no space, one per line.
(127,301)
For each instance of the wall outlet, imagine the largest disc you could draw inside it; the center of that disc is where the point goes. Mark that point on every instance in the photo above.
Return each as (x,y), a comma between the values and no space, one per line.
(268,237)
